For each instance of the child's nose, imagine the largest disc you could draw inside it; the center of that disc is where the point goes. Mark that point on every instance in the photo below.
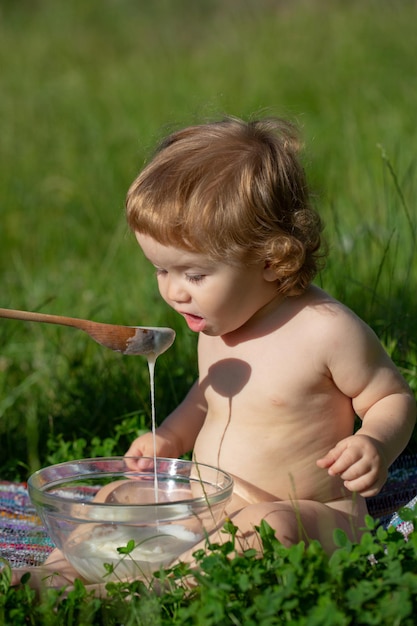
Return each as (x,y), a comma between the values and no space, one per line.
(176,292)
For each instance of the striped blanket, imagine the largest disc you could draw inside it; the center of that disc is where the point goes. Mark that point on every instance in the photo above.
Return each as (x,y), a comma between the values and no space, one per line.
(24,541)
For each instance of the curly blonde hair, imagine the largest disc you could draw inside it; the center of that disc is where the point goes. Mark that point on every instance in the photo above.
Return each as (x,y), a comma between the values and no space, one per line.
(236,192)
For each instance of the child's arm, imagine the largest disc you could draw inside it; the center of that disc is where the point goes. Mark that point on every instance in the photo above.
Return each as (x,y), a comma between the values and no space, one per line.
(362,460)
(178,432)
(384,402)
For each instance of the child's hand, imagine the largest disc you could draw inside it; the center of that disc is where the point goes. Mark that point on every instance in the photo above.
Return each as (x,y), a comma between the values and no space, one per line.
(360,463)
(143,446)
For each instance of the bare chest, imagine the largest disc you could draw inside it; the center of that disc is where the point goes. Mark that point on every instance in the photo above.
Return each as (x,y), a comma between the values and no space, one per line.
(264,376)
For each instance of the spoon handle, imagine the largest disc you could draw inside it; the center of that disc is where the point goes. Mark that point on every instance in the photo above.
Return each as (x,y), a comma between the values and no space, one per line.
(28,316)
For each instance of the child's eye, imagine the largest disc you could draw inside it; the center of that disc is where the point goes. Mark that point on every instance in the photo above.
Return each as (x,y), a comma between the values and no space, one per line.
(160,272)
(195,278)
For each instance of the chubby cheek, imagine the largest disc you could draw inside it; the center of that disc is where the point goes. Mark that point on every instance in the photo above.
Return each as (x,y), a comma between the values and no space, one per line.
(233,306)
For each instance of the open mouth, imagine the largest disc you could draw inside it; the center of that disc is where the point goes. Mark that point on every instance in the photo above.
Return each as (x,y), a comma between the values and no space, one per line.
(195,323)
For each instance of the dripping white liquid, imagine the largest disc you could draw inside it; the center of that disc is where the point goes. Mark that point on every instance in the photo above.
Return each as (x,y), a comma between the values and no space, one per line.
(151,366)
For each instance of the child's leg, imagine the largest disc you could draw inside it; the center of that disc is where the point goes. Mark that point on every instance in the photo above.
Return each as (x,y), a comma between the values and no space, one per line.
(301,520)
(55,572)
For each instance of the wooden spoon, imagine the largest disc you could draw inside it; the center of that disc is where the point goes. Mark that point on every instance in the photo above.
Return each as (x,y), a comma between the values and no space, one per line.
(145,340)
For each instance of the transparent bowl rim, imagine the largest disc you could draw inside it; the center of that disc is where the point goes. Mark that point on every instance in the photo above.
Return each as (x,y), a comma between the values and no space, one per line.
(40,496)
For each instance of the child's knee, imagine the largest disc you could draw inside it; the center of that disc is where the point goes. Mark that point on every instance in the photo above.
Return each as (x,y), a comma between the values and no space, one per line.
(280,516)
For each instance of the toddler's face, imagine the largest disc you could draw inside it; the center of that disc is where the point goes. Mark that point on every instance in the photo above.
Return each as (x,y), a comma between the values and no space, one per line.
(214,298)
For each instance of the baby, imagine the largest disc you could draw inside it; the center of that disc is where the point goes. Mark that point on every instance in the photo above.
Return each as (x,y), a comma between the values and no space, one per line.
(223,213)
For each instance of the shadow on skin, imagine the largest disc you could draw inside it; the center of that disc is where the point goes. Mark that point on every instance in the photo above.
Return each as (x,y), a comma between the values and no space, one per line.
(227,377)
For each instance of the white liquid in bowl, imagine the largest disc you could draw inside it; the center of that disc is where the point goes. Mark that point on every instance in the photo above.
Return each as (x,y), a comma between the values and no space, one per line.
(154,548)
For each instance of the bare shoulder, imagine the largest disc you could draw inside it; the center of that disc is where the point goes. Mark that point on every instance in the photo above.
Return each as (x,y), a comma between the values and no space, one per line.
(338,334)
(320,301)
(326,311)
(355,357)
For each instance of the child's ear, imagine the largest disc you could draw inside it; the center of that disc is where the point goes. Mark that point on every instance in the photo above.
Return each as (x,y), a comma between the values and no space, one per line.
(269,272)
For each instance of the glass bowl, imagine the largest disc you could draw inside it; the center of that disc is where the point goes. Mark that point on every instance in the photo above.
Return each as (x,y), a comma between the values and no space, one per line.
(92,507)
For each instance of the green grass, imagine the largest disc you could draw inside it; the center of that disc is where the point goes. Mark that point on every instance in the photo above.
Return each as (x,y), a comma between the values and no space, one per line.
(87,88)
(367,583)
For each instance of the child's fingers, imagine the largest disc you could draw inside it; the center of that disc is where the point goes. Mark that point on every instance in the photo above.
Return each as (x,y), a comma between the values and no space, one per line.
(140,447)
(332,456)
(352,475)
(357,475)
(347,465)
(343,457)
(133,457)
(356,462)
(363,485)
(326,461)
